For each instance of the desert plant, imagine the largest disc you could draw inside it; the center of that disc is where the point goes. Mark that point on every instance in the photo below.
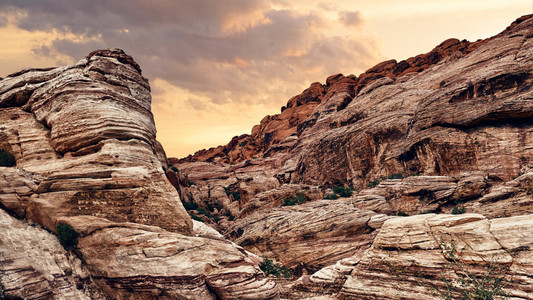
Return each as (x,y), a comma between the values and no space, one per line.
(375,182)
(7,159)
(469,286)
(402,214)
(269,267)
(342,191)
(299,198)
(458,210)
(68,237)
(189,205)
(331,196)
(197,218)
(203,211)
(395,176)
(236,195)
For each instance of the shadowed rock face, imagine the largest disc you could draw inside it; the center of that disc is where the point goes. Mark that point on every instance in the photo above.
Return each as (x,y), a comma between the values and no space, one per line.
(83,137)
(437,133)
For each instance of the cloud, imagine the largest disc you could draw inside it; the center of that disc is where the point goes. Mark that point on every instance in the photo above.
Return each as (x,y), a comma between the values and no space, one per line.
(233,53)
(195,44)
(350,18)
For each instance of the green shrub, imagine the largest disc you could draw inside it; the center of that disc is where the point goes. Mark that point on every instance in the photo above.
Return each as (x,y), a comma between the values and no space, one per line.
(7,159)
(197,218)
(270,267)
(331,196)
(299,198)
(487,285)
(342,191)
(190,205)
(231,218)
(375,182)
(395,176)
(458,210)
(402,214)
(236,195)
(67,236)
(204,212)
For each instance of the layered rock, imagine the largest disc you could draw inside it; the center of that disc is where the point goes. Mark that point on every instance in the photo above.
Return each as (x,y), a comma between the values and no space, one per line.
(447,131)
(83,138)
(411,257)
(309,236)
(33,265)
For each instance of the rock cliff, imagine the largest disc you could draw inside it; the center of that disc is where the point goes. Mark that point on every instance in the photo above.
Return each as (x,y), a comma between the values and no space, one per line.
(84,143)
(413,180)
(431,137)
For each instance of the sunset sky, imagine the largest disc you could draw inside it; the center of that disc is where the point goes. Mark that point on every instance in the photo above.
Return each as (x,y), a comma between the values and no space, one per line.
(217,67)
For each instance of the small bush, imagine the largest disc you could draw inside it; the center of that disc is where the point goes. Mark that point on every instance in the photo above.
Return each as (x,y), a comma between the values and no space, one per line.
(270,267)
(395,176)
(190,205)
(204,212)
(458,210)
(236,195)
(296,199)
(342,191)
(331,196)
(7,159)
(67,236)
(231,218)
(402,214)
(487,285)
(197,218)
(375,182)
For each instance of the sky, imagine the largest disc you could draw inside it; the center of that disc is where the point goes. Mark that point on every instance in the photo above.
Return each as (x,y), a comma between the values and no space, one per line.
(217,67)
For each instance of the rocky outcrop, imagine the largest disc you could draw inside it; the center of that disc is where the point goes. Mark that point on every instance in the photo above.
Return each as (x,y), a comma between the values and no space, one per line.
(418,255)
(443,132)
(83,138)
(309,236)
(34,265)
(275,131)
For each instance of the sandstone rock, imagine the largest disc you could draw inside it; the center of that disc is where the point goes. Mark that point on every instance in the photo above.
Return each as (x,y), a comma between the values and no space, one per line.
(86,155)
(307,236)
(132,262)
(70,135)
(442,130)
(33,265)
(411,253)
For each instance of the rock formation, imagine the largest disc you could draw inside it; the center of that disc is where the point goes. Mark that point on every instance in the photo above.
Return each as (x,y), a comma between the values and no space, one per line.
(444,132)
(83,138)
(360,185)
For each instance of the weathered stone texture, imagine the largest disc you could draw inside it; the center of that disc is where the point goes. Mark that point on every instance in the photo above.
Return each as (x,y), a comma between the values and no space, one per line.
(83,137)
